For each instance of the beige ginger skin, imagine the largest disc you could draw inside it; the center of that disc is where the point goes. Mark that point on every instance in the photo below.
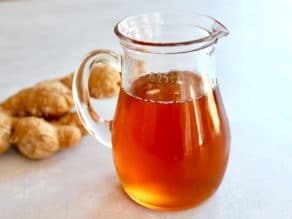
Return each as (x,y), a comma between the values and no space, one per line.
(39,121)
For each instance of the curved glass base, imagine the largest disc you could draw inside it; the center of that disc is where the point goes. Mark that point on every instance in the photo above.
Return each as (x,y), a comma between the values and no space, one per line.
(168,207)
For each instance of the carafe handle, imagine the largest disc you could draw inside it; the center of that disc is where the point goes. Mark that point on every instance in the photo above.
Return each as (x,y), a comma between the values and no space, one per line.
(92,121)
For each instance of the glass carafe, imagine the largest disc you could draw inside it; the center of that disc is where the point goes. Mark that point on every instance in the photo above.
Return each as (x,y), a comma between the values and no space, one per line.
(169,135)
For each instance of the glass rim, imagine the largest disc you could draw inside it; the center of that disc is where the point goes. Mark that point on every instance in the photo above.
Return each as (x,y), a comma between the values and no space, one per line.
(215,33)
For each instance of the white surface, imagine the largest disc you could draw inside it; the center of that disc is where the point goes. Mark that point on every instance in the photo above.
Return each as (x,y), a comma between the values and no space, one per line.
(44,39)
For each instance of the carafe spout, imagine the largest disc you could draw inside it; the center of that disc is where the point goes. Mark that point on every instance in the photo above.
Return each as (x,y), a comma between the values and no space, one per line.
(219,30)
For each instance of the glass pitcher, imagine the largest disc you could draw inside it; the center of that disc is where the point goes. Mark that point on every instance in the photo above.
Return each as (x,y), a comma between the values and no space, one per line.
(170,135)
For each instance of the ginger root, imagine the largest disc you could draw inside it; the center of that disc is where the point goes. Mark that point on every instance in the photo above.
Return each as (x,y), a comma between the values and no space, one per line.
(104,80)
(38,120)
(43,139)
(67,80)
(5,131)
(71,119)
(46,99)
(35,137)
(53,98)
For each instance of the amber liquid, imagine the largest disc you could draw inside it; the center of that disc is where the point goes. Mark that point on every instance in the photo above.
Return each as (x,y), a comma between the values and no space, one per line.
(170,140)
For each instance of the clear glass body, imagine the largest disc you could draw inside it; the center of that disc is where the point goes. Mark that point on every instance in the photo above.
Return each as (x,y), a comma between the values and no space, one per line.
(170,133)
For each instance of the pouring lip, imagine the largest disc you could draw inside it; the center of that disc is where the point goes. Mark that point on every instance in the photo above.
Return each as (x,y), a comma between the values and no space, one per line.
(218,31)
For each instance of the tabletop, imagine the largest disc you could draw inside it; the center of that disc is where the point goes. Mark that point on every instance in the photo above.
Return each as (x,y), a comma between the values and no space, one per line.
(47,39)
